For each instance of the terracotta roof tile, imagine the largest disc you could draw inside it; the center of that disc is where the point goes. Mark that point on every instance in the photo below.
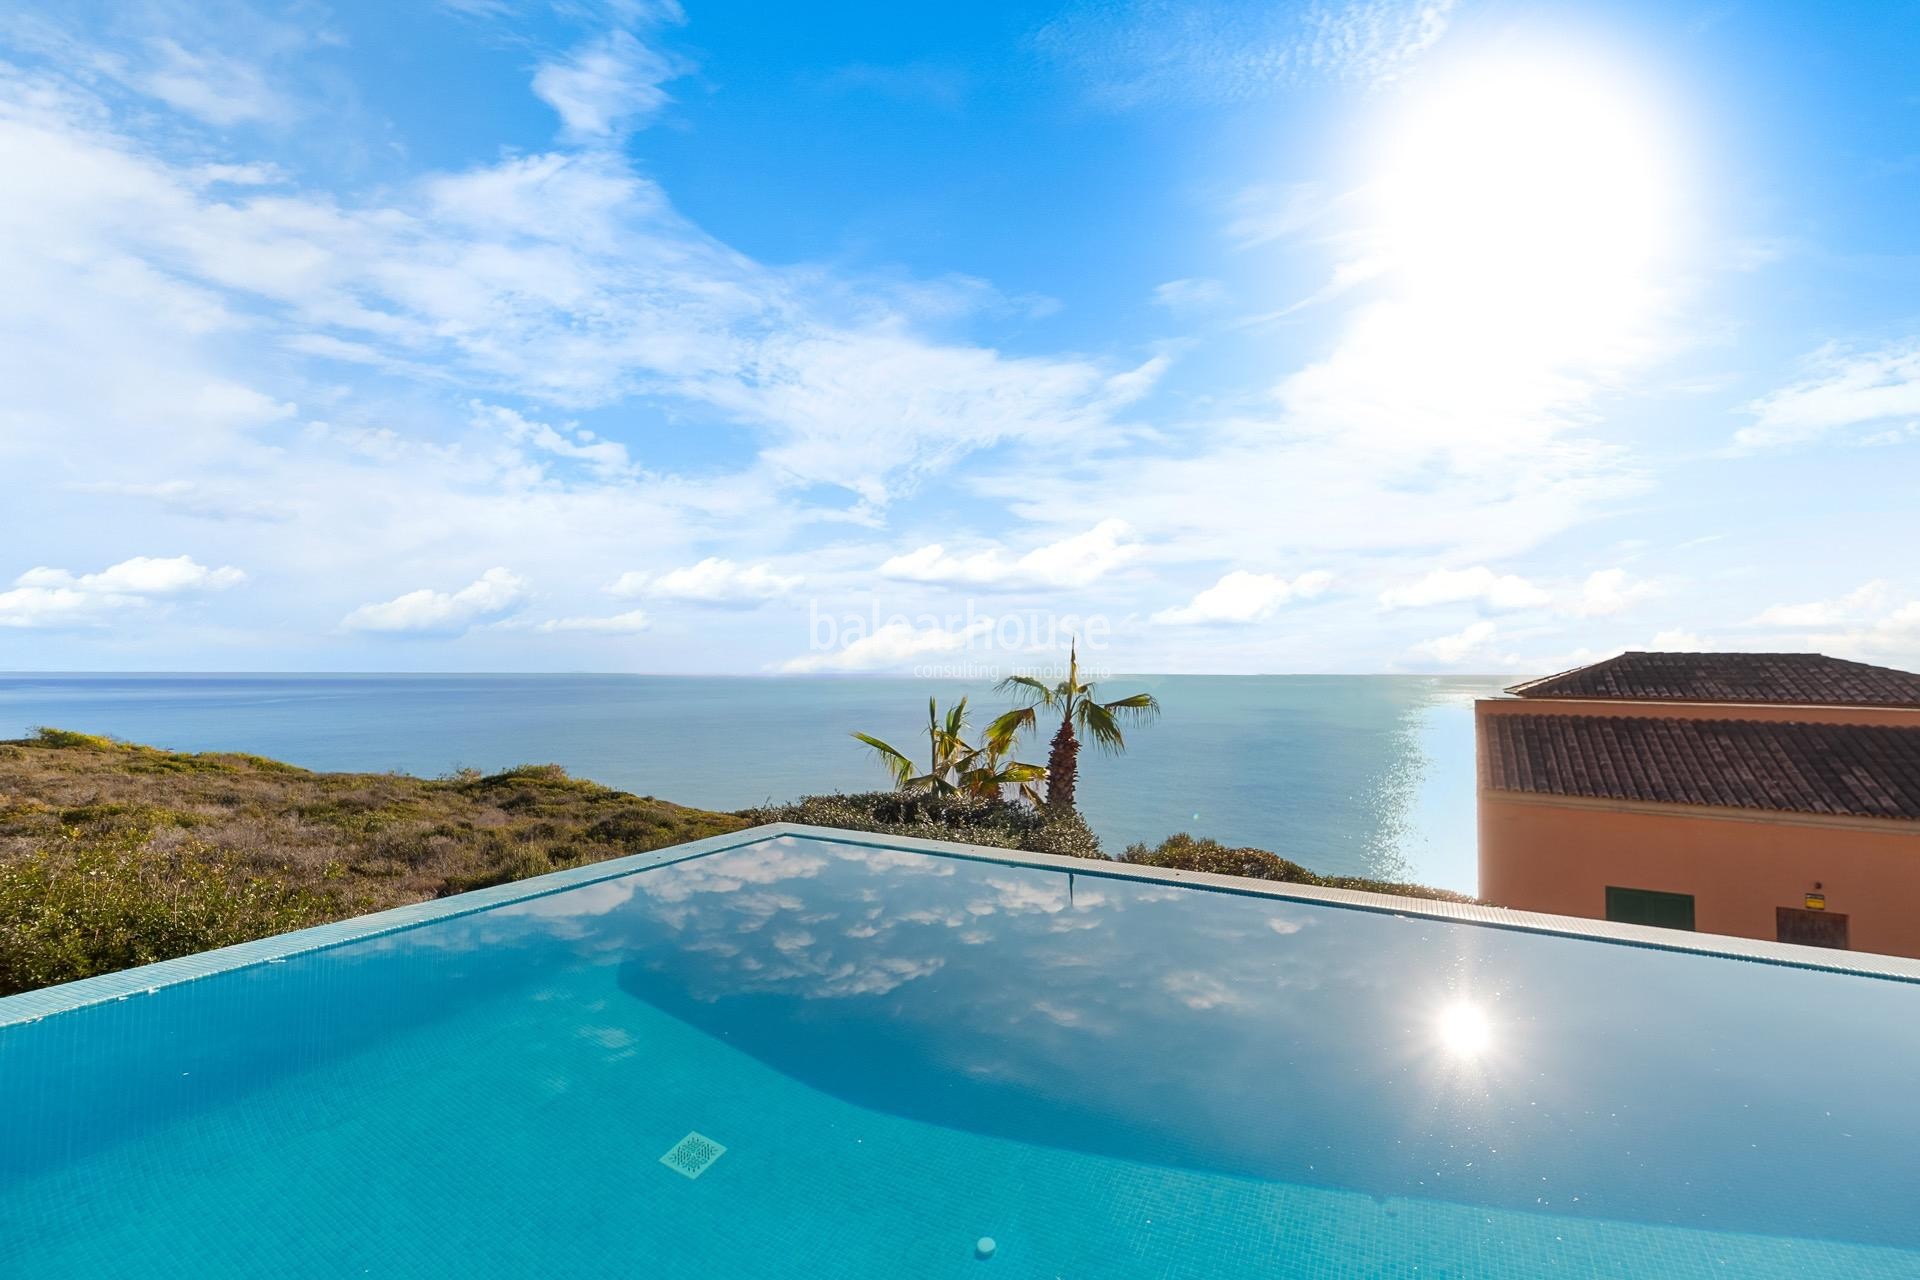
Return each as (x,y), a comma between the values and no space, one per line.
(1861,770)
(1806,679)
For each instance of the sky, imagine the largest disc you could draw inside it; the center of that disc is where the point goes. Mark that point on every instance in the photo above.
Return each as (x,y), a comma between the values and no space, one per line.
(616,335)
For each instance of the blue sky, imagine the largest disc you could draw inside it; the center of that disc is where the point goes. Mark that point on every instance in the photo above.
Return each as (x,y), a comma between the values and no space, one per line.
(607,335)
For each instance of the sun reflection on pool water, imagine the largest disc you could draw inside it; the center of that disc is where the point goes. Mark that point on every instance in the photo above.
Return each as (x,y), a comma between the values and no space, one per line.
(1464,1029)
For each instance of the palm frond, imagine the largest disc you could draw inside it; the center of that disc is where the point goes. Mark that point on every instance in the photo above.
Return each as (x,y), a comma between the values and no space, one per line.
(891,757)
(1003,730)
(1038,693)
(1100,726)
(1139,708)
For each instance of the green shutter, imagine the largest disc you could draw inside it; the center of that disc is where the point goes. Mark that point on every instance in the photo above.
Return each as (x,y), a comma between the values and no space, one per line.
(1649,906)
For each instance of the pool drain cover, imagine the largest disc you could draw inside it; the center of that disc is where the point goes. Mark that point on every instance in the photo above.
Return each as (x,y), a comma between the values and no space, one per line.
(692,1154)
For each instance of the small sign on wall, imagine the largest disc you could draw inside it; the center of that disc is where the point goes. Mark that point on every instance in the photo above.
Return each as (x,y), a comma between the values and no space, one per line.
(1816,902)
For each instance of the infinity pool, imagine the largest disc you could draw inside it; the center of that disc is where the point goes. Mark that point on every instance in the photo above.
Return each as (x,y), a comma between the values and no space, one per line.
(814,1055)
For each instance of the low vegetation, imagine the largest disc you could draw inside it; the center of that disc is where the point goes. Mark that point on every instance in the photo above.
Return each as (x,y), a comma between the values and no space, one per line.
(933,815)
(1183,852)
(113,854)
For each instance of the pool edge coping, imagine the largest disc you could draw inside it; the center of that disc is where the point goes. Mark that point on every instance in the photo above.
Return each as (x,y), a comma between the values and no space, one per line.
(1864,964)
(31,1006)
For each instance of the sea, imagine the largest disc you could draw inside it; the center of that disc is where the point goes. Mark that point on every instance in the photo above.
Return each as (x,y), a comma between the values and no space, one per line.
(1352,775)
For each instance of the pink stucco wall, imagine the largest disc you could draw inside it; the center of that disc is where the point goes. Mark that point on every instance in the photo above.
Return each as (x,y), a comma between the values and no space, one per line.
(1557,854)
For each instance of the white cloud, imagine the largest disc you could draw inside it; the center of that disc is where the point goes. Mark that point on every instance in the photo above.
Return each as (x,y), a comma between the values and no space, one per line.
(214,87)
(565,278)
(1603,593)
(1846,389)
(573,443)
(140,576)
(44,597)
(1892,637)
(1680,640)
(1075,561)
(1242,597)
(1457,410)
(893,645)
(1863,601)
(1610,591)
(494,594)
(1457,586)
(632,622)
(607,87)
(1472,643)
(712,581)
(1134,54)
(1268,211)
(51,607)
(1190,295)
(1875,622)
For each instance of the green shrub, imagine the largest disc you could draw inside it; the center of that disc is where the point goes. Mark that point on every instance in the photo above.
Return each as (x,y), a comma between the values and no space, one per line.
(1067,837)
(91,904)
(999,824)
(58,739)
(1183,852)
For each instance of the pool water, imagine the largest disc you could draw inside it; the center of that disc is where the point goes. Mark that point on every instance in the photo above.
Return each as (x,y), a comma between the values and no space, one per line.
(902,1052)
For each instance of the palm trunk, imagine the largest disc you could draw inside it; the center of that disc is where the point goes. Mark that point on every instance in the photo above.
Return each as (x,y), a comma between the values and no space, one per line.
(1063,766)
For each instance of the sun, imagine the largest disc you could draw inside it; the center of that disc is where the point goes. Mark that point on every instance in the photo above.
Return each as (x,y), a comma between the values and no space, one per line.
(1537,188)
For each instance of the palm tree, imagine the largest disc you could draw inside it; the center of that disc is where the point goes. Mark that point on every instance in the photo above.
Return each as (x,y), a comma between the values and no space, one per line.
(988,772)
(953,765)
(1080,713)
(945,749)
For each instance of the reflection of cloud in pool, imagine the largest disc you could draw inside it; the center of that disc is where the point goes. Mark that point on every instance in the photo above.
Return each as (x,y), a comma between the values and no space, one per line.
(1019,896)
(729,872)
(587,900)
(952,919)
(893,860)
(1199,990)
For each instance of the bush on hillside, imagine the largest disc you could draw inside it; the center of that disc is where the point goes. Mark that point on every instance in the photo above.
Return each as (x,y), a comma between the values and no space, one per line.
(94,902)
(999,824)
(1183,852)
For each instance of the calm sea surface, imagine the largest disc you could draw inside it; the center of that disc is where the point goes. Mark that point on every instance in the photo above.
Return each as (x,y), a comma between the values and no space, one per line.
(1368,775)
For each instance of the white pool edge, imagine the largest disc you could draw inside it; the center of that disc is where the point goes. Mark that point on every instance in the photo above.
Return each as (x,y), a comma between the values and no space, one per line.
(31,1006)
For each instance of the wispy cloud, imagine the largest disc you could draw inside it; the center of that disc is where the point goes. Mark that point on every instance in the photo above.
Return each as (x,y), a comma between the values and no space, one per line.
(1862,603)
(629,623)
(1472,644)
(1210,50)
(1241,597)
(715,580)
(1602,593)
(493,594)
(1843,388)
(1190,294)
(607,87)
(1074,561)
(1607,592)
(894,644)
(1478,584)
(219,89)
(565,277)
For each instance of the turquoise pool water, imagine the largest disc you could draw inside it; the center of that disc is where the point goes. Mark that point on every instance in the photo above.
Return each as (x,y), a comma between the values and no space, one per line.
(903,1052)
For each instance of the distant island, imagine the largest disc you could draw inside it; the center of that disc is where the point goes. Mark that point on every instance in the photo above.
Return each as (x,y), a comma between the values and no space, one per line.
(114,854)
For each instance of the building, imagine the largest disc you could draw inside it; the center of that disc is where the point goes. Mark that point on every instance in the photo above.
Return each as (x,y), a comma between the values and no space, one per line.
(1768,795)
